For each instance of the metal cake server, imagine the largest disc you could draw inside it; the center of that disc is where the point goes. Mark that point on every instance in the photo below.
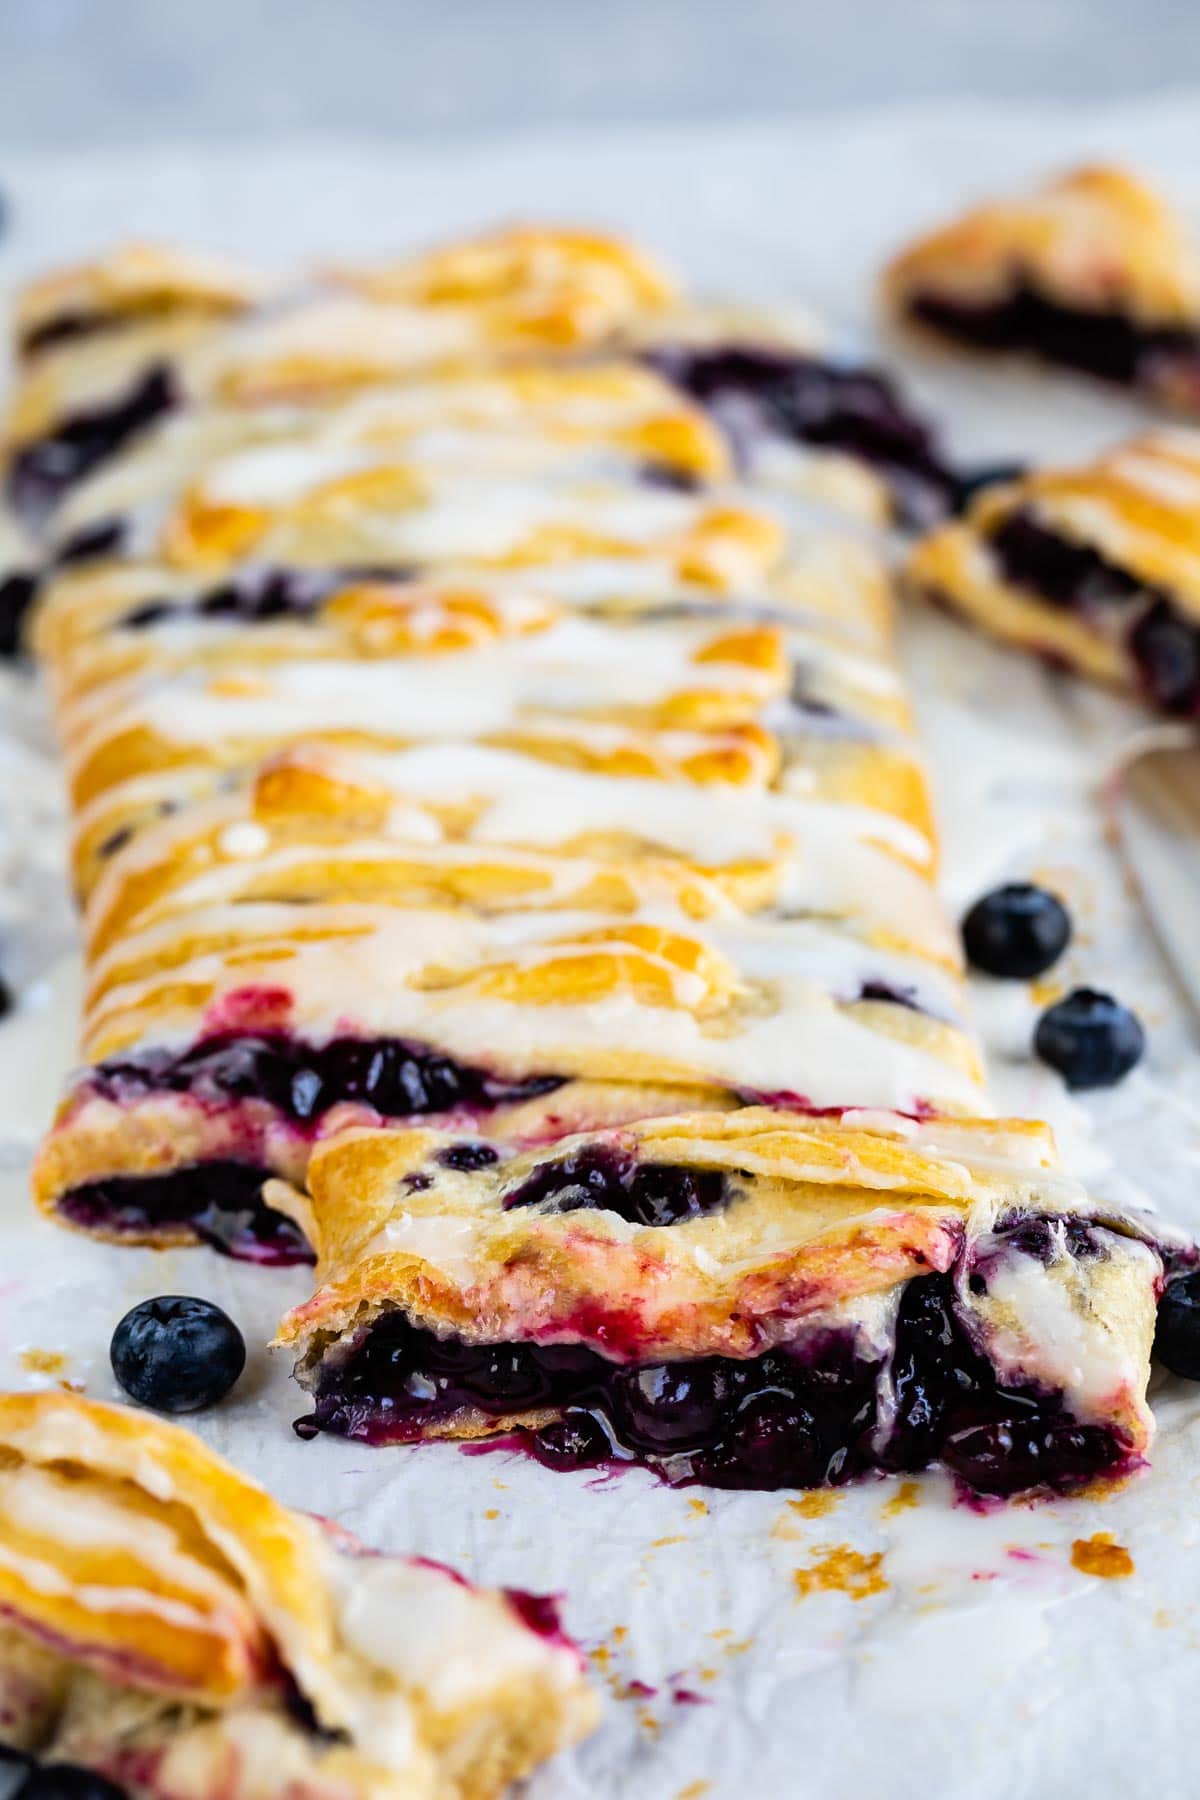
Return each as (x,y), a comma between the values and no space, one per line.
(1156,804)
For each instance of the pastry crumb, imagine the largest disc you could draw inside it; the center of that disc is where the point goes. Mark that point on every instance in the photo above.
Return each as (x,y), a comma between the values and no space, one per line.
(698,1509)
(816,1504)
(908,1494)
(43,1362)
(491,1512)
(1101,1555)
(694,1790)
(841,1570)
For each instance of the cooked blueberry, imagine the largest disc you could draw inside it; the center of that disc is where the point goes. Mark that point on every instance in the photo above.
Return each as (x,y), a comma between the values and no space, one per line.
(66,1781)
(1012,1456)
(1166,648)
(1058,570)
(608,1179)
(1090,1038)
(1177,1337)
(1017,931)
(508,1377)
(665,1407)
(775,1441)
(468,1156)
(177,1354)
(576,1441)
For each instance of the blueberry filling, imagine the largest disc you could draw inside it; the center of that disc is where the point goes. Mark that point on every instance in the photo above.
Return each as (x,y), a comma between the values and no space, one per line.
(90,543)
(615,1181)
(891,996)
(43,471)
(781,1419)
(219,1202)
(67,328)
(19,590)
(303,1081)
(468,1157)
(855,410)
(1044,1238)
(252,597)
(1111,345)
(1166,648)
(17,594)
(67,1781)
(1165,645)
(1070,575)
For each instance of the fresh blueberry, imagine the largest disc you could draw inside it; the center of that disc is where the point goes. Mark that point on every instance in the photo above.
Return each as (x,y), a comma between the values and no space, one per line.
(66,1781)
(1090,1038)
(7,999)
(1177,1337)
(177,1354)
(1017,931)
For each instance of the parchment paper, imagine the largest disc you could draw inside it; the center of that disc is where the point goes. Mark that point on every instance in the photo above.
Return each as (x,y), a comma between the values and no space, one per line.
(923,1650)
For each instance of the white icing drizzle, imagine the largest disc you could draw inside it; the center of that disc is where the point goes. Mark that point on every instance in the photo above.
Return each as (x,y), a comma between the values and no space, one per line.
(1059,1342)
(576,666)
(46,1506)
(454,1644)
(785,1032)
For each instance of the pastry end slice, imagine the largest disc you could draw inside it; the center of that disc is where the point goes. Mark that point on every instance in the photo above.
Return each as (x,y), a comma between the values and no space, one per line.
(1097,568)
(171,1628)
(1091,271)
(745,1299)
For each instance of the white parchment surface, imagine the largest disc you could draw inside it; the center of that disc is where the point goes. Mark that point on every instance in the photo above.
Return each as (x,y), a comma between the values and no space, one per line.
(953,1655)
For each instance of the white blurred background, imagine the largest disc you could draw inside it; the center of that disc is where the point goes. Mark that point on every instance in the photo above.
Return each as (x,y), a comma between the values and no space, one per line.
(84,72)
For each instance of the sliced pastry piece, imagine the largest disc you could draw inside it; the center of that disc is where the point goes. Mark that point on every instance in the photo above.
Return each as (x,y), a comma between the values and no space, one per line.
(171,1629)
(1092,271)
(747,1299)
(1096,568)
